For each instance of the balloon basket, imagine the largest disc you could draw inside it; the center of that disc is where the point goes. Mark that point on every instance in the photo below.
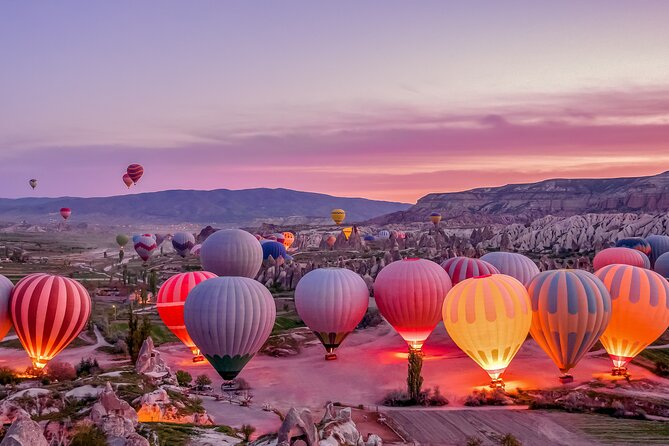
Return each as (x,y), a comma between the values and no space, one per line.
(497,383)
(229,386)
(566,379)
(330,356)
(620,371)
(198,358)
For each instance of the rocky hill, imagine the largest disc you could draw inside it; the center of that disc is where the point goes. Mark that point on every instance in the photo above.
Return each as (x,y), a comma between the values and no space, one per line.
(523,203)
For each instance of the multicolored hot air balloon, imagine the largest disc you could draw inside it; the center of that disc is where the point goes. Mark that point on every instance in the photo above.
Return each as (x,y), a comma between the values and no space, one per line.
(6,287)
(135,172)
(127,180)
(232,252)
(145,246)
(488,317)
(409,294)
(122,240)
(659,244)
(640,311)
(48,313)
(635,243)
(338,216)
(65,213)
(229,319)
(513,264)
(384,234)
(570,311)
(347,232)
(183,242)
(170,303)
(435,218)
(288,239)
(33,183)
(622,256)
(332,302)
(461,268)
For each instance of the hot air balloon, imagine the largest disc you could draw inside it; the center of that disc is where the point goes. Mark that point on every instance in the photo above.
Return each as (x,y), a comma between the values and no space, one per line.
(274,249)
(435,218)
(369,238)
(122,240)
(662,265)
(127,180)
(196,250)
(33,183)
(488,317)
(640,311)
(512,264)
(288,239)
(461,268)
(48,313)
(145,246)
(232,252)
(330,241)
(570,311)
(332,302)
(623,256)
(659,244)
(183,242)
(229,319)
(635,243)
(6,287)
(400,235)
(384,234)
(159,238)
(347,232)
(409,294)
(135,238)
(170,303)
(65,213)
(338,216)
(135,172)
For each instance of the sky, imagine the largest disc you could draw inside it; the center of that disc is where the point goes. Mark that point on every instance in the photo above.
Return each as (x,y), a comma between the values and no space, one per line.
(379,99)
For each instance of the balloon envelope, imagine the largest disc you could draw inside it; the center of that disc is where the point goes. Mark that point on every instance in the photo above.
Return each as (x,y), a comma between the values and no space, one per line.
(435,218)
(145,246)
(347,232)
(338,216)
(65,213)
(122,240)
(127,180)
(6,287)
(461,268)
(330,241)
(232,252)
(659,244)
(623,256)
(274,249)
(635,243)
(183,242)
(384,234)
(662,265)
(288,239)
(513,264)
(33,183)
(135,172)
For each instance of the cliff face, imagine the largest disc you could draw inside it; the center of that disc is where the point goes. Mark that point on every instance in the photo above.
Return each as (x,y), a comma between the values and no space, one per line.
(522,203)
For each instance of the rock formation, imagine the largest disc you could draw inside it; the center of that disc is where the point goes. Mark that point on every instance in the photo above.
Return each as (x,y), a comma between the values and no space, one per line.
(24,432)
(117,419)
(157,406)
(151,364)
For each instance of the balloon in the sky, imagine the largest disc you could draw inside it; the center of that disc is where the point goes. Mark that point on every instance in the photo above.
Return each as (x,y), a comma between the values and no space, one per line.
(127,180)
(622,256)
(274,249)
(384,234)
(347,232)
(288,239)
(662,265)
(65,213)
(48,313)
(513,264)
(461,268)
(232,252)
(635,243)
(33,183)
(229,319)
(488,317)
(122,240)
(435,218)
(6,287)
(183,242)
(135,172)
(338,216)
(409,294)
(170,304)
(659,244)
(332,302)
(640,311)
(570,311)
(331,240)
(145,246)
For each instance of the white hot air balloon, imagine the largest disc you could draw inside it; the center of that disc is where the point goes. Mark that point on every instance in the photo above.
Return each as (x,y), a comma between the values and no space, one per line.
(231,252)
(512,264)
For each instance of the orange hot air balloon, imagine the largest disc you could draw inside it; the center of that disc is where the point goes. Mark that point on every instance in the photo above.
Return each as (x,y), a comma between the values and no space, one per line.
(435,218)
(48,313)
(331,241)
(127,180)
(488,317)
(338,216)
(135,172)
(640,311)
(288,239)
(347,232)
(170,303)
(65,213)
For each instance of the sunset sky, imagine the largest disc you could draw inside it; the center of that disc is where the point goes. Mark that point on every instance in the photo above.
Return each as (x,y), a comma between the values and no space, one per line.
(379,99)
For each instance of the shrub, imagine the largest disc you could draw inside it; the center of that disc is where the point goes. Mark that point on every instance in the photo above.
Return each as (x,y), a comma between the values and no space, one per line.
(120,347)
(7,376)
(88,366)
(509,440)
(60,371)
(202,381)
(247,430)
(184,378)
(474,441)
(485,397)
(372,318)
(88,435)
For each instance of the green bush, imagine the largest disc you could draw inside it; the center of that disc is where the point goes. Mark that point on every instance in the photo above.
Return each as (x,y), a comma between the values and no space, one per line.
(184,378)
(7,376)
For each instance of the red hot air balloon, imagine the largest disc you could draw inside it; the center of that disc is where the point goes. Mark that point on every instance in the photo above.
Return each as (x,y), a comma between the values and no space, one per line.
(127,180)
(462,268)
(135,172)
(48,313)
(620,256)
(65,213)
(170,303)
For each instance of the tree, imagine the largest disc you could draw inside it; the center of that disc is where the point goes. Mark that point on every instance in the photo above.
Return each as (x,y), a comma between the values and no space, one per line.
(144,297)
(153,282)
(202,381)
(247,430)
(184,378)
(414,378)
(61,371)
(120,256)
(136,334)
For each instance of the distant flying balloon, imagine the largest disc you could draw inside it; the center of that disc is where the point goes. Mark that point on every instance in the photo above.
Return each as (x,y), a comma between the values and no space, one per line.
(65,213)
(288,239)
(640,311)
(232,252)
(122,240)
(145,246)
(570,311)
(6,287)
(332,302)
(435,218)
(229,319)
(33,183)
(400,235)
(409,294)
(170,303)
(623,256)
(135,172)
(662,265)
(635,243)
(183,242)
(331,240)
(384,234)
(347,232)
(127,180)
(338,216)
(488,317)
(659,244)
(461,268)
(48,313)
(513,264)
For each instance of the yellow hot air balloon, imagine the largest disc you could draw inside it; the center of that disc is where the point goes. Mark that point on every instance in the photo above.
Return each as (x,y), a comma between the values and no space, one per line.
(288,239)
(338,216)
(488,317)
(639,311)
(435,218)
(347,232)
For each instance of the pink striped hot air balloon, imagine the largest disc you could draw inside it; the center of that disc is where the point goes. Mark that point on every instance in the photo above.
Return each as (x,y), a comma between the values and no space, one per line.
(409,294)
(170,303)
(461,268)
(135,172)
(145,245)
(621,256)
(48,313)
(332,302)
